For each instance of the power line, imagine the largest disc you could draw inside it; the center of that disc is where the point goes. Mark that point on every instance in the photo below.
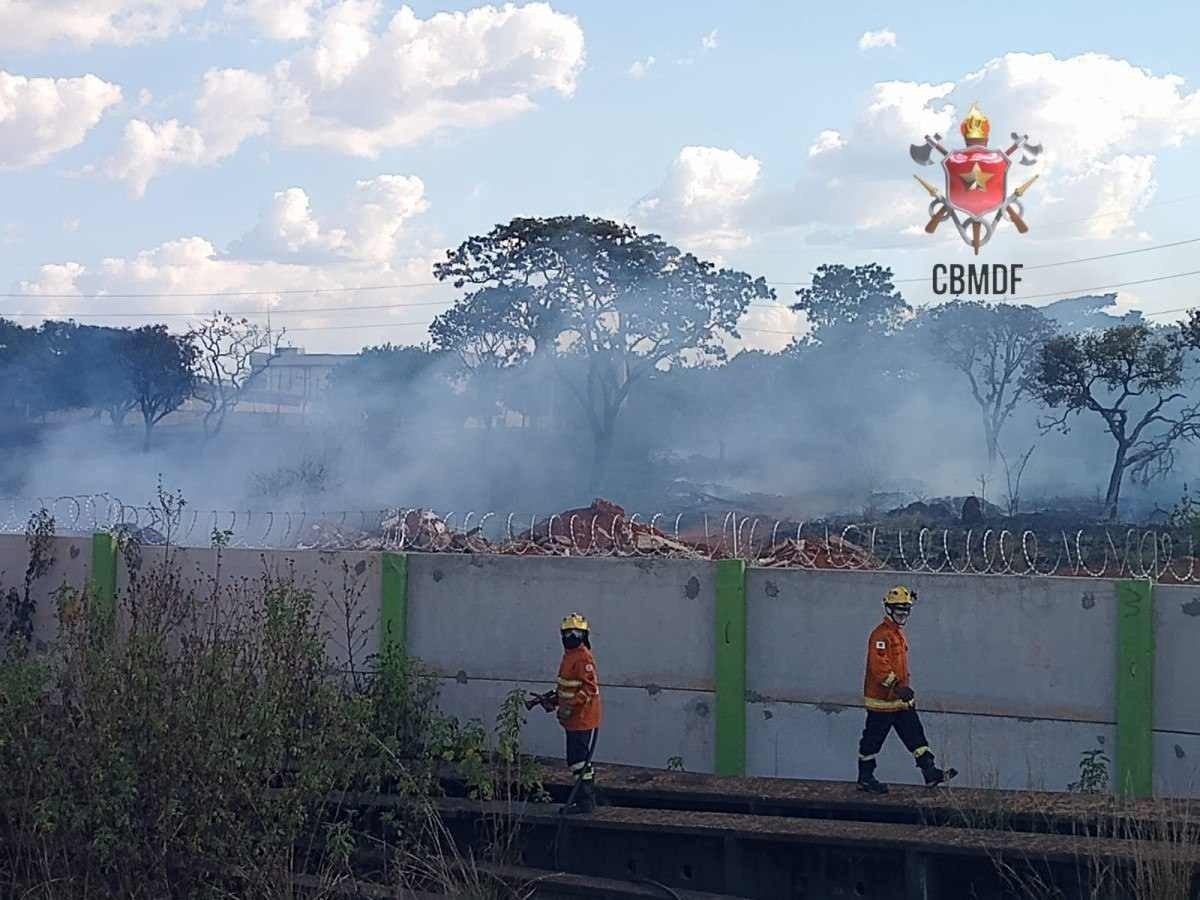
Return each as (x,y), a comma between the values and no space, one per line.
(1118,212)
(239,312)
(1060,293)
(262,292)
(401,286)
(1051,265)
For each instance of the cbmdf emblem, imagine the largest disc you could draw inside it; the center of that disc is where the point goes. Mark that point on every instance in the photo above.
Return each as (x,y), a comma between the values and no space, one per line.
(976,196)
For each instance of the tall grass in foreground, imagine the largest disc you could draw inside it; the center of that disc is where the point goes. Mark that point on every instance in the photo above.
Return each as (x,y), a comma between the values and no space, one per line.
(1124,848)
(185,742)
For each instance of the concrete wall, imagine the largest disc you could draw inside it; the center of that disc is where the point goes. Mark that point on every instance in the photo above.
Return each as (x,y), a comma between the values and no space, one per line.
(72,560)
(1014,676)
(345,588)
(489,624)
(1177,689)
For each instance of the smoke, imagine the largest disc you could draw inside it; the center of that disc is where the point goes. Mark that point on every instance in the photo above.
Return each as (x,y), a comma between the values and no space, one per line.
(797,434)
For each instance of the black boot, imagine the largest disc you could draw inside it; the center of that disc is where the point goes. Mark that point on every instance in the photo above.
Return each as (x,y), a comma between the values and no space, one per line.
(585,800)
(932,774)
(867,780)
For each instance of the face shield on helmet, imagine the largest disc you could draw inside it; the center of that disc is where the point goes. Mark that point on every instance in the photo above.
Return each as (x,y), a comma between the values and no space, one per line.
(573,637)
(898,604)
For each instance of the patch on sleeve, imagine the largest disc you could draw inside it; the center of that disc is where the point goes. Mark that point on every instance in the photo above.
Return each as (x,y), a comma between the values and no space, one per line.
(881,645)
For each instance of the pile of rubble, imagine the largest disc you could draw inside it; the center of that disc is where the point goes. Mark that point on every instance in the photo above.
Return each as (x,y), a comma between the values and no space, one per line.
(326,535)
(831,552)
(421,529)
(601,529)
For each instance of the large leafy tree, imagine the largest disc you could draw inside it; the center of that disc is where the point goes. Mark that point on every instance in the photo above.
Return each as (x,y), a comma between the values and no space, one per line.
(1132,378)
(992,345)
(62,365)
(605,304)
(385,385)
(847,306)
(159,367)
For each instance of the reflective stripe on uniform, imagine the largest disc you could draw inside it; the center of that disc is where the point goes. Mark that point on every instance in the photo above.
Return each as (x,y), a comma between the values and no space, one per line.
(569,682)
(862,758)
(921,751)
(890,680)
(566,695)
(577,767)
(884,705)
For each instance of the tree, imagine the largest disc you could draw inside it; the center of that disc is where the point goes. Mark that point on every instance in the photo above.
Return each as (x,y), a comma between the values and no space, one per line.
(1130,376)
(224,353)
(847,305)
(383,385)
(606,304)
(159,367)
(485,332)
(992,344)
(99,364)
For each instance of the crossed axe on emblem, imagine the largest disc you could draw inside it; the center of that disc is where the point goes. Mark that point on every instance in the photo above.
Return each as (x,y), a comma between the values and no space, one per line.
(939,208)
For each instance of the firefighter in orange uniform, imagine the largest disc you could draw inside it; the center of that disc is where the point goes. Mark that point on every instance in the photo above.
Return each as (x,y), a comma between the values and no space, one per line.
(577,705)
(889,697)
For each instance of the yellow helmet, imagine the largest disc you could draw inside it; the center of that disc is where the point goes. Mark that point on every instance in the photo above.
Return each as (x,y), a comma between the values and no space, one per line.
(899,596)
(574,622)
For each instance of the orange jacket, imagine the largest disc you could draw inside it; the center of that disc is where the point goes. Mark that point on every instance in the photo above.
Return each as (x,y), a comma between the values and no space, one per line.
(887,668)
(579,689)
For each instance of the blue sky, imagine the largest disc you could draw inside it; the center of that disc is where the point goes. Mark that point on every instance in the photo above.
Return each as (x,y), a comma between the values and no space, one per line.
(389,152)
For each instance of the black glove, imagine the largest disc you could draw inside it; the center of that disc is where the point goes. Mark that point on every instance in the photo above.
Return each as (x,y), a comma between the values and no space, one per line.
(905,693)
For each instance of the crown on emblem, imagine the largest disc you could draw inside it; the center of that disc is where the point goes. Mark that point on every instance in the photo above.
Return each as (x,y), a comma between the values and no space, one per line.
(975,126)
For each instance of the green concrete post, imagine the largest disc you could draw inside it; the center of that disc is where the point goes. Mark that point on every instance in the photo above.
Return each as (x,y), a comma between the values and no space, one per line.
(730,717)
(1135,688)
(104,575)
(393,602)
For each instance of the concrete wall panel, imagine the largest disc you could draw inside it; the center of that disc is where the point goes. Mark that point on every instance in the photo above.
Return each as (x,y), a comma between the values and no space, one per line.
(1176,764)
(345,588)
(1177,658)
(498,617)
(999,645)
(72,559)
(800,740)
(640,728)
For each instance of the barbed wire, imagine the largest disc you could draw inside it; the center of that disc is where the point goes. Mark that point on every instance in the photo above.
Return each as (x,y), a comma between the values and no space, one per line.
(1092,551)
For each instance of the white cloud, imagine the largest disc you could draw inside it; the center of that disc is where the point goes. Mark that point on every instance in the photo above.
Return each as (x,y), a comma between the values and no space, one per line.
(40,117)
(826,142)
(33,24)
(640,68)
(700,202)
(281,20)
(70,225)
(363,85)
(710,41)
(368,229)
(1102,122)
(873,40)
(317,262)
(233,106)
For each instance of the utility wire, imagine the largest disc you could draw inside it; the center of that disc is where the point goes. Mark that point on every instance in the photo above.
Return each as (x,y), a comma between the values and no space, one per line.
(427,284)
(1117,212)
(1061,293)
(1051,265)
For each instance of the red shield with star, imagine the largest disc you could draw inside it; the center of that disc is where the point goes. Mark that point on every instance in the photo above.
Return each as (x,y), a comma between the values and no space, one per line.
(976,180)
